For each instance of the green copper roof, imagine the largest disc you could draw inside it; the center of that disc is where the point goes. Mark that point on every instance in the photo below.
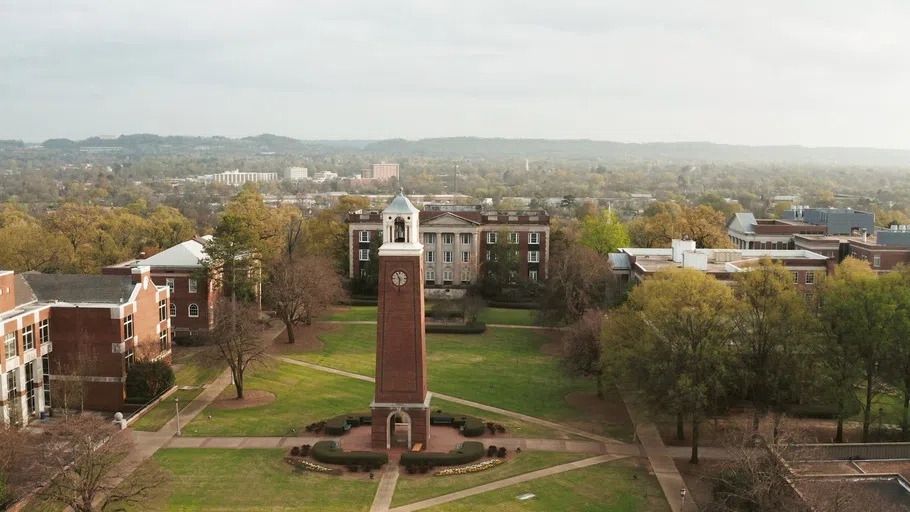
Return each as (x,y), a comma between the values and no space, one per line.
(400,204)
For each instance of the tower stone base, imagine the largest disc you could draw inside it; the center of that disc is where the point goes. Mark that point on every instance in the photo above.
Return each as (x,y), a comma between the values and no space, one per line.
(420,425)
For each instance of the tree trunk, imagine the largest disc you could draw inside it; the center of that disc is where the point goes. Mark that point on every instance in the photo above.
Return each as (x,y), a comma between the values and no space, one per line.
(755,418)
(600,387)
(839,436)
(867,413)
(695,425)
(680,427)
(289,327)
(905,423)
(238,383)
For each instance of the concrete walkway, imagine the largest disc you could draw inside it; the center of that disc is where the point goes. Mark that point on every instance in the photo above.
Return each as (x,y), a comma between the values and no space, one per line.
(555,470)
(383,498)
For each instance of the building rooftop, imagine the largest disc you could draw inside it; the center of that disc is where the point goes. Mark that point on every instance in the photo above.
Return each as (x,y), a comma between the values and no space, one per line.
(401,205)
(189,254)
(716,261)
(83,288)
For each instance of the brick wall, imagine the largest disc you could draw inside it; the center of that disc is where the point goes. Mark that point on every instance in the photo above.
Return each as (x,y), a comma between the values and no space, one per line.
(7,292)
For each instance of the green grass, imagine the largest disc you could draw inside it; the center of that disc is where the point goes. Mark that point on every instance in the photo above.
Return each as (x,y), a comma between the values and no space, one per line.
(503,367)
(411,490)
(607,487)
(303,396)
(353,314)
(891,405)
(505,316)
(164,410)
(516,428)
(260,480)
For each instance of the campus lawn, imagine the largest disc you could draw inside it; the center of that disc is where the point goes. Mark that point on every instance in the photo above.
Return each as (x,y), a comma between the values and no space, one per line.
(607,487)
(500,316)
(516,428)
(164,410)
(410,490)
(302,396)
(503,367)
(211,479)
(352,314)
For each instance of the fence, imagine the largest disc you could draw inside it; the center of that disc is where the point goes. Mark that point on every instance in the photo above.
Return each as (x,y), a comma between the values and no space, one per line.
(853,451)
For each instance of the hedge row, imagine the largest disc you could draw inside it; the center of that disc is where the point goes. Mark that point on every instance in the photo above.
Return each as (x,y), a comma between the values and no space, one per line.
(823,411)
(340,424)
(469,451)
(360,302)
(330,453)
(475,328)
(469,425)
(513,305)
(445,314)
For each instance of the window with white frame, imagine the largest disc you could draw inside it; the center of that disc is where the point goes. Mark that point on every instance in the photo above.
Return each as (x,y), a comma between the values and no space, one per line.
(447,256)
(364,255)
(193,285)
(364,236)
(513,238)
(173,310)
(465,256)
(46,379)
(795,277)
(44,331)
(532,275)
(170,284)
(194,311)
(431,276)
(10,345)
(429,238)
(164,341)
(28,338)
(492,237)
(534,238)
(447,276)
(31,402)
(465,276)
(810,277)
(876,261)
(430,256)
(128,327)
(162,310)
(448,238)
(533,256)
(466,238)
(128,359)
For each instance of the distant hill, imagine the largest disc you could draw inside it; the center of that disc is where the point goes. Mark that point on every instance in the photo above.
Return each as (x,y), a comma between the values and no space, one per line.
(498,148)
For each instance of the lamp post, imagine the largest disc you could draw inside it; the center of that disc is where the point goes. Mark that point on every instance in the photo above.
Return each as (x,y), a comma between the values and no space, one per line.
(177,406)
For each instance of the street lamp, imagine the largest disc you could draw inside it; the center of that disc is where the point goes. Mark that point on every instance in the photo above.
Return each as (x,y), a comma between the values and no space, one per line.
(682,498)
(177,406)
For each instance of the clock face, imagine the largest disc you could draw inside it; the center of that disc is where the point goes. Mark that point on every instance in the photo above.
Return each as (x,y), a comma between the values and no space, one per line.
(399,278)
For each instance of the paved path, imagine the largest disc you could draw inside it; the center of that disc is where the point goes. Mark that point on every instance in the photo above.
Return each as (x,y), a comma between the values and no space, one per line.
(386,490)
(439,500)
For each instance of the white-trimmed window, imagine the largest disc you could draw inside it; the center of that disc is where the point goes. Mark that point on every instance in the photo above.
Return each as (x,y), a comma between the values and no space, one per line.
(194,311)
(532,275)
(44,331)
(465,276)
(430,256)
(447,276)
(128,327)
(492,237)
(28,338)
(162,310)
(513,238)
(170,284)
(431,276)
(465,256)
(364,254)
(173,310)
(448,238)
(429,238)
(795,276)
(364,236)
(810,277)
(447,256)
(534,237)
(193,285)
(533,256)
(130,356)
(164,341)
(466,238)
(876,261)
(10,345)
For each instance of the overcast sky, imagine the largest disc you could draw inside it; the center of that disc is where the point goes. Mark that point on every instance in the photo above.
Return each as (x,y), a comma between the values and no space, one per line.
(834,72)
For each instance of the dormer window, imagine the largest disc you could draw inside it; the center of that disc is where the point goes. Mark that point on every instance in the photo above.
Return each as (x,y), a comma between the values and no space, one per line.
(399,230)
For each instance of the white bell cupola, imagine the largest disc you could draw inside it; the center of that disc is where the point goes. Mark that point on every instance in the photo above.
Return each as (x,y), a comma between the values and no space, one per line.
(400,228)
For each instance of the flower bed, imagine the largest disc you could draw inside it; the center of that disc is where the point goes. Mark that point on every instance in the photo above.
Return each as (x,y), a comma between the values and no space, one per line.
(309,466)
(473,468)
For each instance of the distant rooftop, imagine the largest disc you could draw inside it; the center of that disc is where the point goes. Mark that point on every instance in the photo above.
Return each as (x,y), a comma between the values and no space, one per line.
(84,288)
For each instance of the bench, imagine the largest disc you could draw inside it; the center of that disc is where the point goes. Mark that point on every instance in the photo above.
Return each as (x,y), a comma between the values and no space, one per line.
(417,447)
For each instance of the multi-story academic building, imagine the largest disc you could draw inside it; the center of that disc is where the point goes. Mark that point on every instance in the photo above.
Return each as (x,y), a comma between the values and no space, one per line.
(455,239)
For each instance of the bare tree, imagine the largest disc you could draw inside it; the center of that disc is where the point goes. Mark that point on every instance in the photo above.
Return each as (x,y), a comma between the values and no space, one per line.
(83,452)
(846,495)
(237,338)
(472,305)
(20,467)
(68,387)
(580,279)
(300,288)
(581,348)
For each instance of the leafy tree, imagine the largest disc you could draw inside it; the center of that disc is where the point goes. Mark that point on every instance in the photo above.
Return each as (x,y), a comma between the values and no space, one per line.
(301,287)
(232,260)
(897,362)
(501,266)
(582,348)
(580,280)
(148,379)
(603,232)
(664,222)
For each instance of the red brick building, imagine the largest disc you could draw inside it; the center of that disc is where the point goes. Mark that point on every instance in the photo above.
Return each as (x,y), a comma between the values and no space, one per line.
(91,328)
(455,240)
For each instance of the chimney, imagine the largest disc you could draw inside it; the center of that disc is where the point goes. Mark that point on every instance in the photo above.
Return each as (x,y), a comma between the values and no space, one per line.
(140,273)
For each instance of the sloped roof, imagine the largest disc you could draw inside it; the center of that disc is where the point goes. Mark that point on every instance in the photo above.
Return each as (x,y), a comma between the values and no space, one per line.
(401,204)
(620,261)
(80,287)
(24,293)
(743,222)
(185,254)
(470,217)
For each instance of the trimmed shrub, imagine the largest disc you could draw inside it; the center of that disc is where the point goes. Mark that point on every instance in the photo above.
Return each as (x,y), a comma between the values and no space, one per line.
(473,427)
(491,450)
(478,328)
(443,314)
(330,453)
(305,450)
(148,379)
(340,424)
(441,419)
(501,452)
(513,305)
(361,302)
(469,451)
(295,452)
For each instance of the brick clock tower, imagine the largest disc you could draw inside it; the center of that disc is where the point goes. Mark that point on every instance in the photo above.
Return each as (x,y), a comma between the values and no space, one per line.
(401,348)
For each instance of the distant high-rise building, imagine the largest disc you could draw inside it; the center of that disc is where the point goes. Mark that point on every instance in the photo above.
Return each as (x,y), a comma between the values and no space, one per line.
(236,177)
(295,173)
(322,176)
(381,171)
